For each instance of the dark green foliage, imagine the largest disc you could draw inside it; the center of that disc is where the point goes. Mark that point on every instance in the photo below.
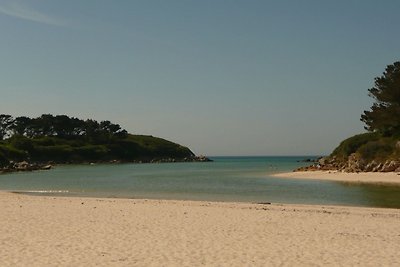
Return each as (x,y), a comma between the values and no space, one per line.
(94,152)
(128,149)
(352,144)
(369,146)
(379,150)
(58,153)
(157,147)
(21,126)
(3,160)
(384,116)
(5,125)
(21,142)
(11,153)
(63,139)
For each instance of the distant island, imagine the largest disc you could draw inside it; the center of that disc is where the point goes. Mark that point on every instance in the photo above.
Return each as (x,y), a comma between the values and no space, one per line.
(38,143)
(378,150)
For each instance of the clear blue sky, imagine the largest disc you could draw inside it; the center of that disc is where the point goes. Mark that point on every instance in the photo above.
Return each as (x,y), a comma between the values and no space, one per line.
(222,77)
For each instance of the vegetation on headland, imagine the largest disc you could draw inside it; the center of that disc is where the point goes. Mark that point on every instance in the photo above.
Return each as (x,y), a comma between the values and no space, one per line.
(379,148)
(50,139)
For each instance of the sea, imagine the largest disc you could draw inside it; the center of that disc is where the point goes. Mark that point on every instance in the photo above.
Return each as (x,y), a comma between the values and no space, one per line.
(227,179)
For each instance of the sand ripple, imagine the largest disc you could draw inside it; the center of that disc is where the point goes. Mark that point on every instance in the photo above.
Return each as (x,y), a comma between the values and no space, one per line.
(47,231)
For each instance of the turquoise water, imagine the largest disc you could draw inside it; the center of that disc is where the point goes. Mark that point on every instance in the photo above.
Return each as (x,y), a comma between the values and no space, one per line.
(242,179)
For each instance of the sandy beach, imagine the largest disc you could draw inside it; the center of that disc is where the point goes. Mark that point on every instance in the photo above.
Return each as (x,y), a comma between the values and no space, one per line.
(60,231)
(362,177)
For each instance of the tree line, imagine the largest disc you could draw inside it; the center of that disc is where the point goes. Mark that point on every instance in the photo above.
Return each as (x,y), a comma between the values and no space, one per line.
(61,126)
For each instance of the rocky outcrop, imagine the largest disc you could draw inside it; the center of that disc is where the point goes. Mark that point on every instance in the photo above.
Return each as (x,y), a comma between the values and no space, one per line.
(354,163)
(309,160)
(187,159)
(24,166)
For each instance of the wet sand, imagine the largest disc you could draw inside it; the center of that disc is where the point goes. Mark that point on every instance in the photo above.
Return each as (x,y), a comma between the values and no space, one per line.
(362,177)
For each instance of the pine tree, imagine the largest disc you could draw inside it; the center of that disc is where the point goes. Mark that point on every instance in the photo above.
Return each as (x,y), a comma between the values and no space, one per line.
(384,116)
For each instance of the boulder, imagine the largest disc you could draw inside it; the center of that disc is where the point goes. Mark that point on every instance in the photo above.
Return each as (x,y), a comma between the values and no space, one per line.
(378,167)
(322,161)
(46,167)
(23,165)
(390,166)
(370,166)
(355,163)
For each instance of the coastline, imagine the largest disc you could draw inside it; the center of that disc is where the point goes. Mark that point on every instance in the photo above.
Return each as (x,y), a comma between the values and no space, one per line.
(392,178)
(67,231)
(25,166)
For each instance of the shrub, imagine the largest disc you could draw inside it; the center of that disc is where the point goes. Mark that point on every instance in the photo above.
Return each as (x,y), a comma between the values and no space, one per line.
(377,150)
(352,144)
(57,153)
(3,160)
(44,141)
(10,153)
(90,152)
(21,143)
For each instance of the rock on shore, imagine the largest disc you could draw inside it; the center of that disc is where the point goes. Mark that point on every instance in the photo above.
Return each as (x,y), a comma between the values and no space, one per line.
(25,166)
(354,163)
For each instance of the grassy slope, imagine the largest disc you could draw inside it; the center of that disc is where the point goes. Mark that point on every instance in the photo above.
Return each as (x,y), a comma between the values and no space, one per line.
(130,148)
(369,146)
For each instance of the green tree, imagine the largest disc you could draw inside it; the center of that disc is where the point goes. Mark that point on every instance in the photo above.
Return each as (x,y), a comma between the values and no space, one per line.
(64,126)
(6,122)
(79,127)
(384,116)
(45,125)
(110,128)
(21,125)
(92,128)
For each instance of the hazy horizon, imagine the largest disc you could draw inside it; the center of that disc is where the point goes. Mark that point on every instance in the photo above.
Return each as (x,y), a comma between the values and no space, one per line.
(224,78)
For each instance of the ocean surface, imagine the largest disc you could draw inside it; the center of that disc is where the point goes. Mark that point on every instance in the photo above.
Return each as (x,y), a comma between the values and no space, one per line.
(239,179)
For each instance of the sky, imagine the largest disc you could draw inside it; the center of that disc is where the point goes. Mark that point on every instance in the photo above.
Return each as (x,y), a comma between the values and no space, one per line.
(239,77)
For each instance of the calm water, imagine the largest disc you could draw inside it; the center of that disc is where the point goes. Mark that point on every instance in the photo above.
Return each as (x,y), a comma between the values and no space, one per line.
(244,179)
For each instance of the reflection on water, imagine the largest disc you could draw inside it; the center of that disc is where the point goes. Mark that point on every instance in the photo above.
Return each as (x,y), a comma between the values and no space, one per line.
(226,179)
(378,195)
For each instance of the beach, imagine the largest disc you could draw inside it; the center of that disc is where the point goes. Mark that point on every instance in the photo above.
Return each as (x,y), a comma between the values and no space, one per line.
(361,177)
(69,231)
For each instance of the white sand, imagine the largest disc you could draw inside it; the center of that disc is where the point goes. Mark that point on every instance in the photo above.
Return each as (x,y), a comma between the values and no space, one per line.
(362,177)
(47,231)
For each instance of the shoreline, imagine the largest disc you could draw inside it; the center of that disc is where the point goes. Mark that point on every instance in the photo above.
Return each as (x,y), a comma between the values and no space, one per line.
(25,166)
(389,178)
(67,231)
